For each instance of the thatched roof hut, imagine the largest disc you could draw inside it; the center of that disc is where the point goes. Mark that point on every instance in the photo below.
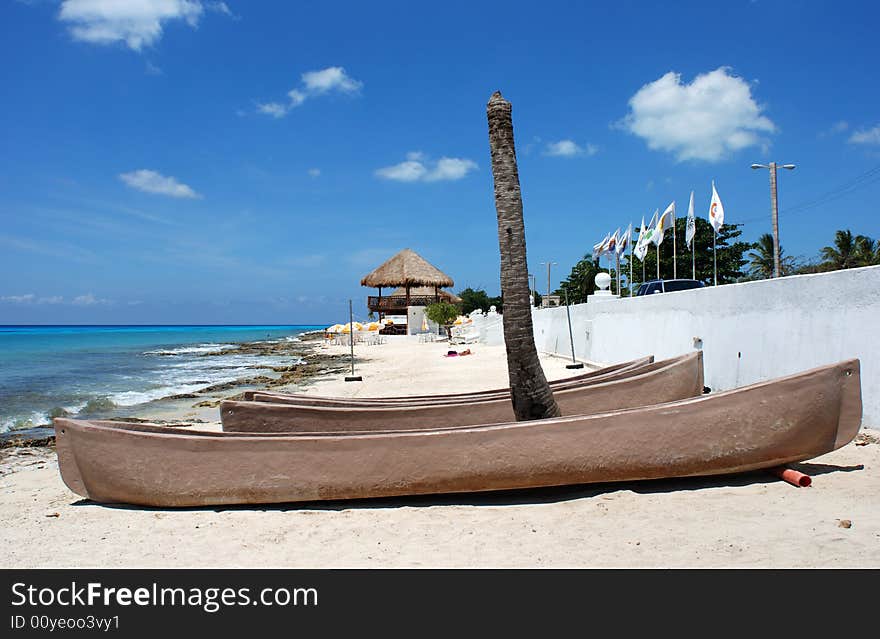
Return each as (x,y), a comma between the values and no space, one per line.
(446,296)
(418,283)
(407,269)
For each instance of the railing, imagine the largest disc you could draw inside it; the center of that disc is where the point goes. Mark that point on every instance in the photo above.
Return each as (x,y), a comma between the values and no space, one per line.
(398,302)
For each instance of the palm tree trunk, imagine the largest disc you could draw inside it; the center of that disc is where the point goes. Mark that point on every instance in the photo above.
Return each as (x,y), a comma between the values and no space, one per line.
(529,390)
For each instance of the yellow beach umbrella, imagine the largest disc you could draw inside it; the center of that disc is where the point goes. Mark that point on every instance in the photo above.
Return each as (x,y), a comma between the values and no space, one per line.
(347,328)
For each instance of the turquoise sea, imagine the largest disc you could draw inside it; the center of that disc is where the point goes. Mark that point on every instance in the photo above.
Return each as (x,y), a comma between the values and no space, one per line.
(45,370)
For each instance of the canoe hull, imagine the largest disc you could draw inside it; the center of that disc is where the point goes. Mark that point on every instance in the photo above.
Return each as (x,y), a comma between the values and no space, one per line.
(764,425)
(671,380)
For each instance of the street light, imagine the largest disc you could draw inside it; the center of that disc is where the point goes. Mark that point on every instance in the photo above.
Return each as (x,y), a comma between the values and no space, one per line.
(534,288)
(549,264)
(774,210)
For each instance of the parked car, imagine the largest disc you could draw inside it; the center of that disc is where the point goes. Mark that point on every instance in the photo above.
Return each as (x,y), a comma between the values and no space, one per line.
(667,286)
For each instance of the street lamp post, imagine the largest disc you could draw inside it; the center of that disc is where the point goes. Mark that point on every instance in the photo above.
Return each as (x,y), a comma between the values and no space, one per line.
(549,264)
(774,211)
(534,288)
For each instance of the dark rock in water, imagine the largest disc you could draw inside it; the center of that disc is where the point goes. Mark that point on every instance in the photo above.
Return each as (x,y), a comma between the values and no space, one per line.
(28,437)
(207,404)
(58,411)
(183,396)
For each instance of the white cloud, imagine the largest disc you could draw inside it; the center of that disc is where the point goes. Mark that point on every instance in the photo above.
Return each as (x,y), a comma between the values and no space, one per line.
(296,97)
(153,182)
(450,169)
(330,79)
(220,7)
(313,84)
(866,136)
(314,173)
(88,300)
(29,298)
(705,120)
(152,69)
(838,127)
(568,148)
(417,168)
(409,171)
(137,24)
(275,109)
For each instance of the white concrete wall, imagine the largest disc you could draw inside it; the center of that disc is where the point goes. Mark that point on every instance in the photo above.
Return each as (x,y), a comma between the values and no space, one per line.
(750,332)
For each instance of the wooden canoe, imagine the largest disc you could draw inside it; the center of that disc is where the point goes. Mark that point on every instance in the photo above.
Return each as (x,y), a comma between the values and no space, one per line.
(666,381)
(759,426)
(260,395)
(641,366)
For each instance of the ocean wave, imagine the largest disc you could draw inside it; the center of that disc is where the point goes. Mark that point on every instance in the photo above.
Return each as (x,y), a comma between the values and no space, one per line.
(201,349)
(22,422)
(133,398)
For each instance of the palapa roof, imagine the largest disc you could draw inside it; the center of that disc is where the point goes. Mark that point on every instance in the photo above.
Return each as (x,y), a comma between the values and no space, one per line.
(407,268)
(446,296)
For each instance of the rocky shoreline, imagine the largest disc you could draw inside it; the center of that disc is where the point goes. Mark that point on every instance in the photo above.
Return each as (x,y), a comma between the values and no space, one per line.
(181,410)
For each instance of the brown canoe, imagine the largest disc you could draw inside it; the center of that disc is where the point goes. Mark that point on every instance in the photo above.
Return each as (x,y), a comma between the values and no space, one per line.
(641,366)
(258,395)
(665,381)
(759,426)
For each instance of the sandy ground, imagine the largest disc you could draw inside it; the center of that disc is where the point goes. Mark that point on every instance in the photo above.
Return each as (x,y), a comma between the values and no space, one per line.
(749,520)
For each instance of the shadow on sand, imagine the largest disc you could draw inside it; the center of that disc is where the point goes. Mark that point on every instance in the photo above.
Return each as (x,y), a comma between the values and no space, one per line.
(523,496)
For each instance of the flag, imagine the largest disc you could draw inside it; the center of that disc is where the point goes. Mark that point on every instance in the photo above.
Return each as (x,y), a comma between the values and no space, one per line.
(716,210)
(666,221)
(623,242)
(599,248)
(691,223)
(646,237)
(612,242)
(640,244)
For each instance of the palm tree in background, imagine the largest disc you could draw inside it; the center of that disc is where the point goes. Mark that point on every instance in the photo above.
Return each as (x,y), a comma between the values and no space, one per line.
(761,259)
(867,251)
(529,390)
(844,253)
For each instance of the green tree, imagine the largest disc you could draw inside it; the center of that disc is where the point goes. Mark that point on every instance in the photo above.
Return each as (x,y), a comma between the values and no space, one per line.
(442,313)
(867,251)
(580,283)
(472,299)
(529,390)
(731,258)
(844,253)
(761,259)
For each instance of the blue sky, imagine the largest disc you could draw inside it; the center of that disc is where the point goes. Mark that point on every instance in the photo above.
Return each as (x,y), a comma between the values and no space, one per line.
(177,161)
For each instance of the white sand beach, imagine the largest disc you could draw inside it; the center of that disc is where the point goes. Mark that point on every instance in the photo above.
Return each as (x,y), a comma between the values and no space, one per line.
(749,520)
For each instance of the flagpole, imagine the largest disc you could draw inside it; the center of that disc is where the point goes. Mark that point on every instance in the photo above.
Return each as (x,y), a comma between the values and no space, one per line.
(715,257)
(617,259)
(674,264)
(658,261)
(630,266)
(693,259)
